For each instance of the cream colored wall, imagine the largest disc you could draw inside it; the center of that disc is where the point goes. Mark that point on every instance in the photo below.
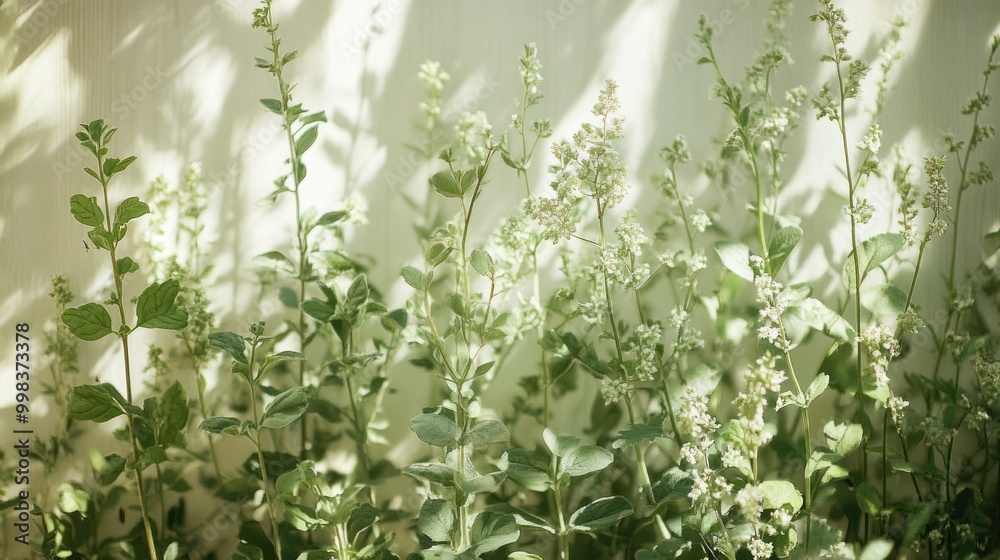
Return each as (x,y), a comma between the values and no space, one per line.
(178,79)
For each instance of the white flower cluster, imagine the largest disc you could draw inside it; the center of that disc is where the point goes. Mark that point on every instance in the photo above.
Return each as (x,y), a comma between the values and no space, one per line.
(872,141)
(473,133)
(936,196)
(760,549)
(356,209)
(897,408)
(614,390)
(433,78)
(630,234)
(862,211)
(909,321)
(988,373)
(880,346)
(907,191)
(750,403)
(643,344)
(510,248)
(589,166)
(530,68)
(695,420)
(700,221)
(773,301)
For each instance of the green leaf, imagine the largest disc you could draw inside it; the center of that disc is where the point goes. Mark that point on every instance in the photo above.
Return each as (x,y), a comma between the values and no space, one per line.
(438,473)
(784,240)
(488,483)
(73,499)
(873,252)
(99,403)
(600,514)
(286,408)
(482,262)
(444,184)
(155,307)
(126,265)
(816,388)
(868,499)
(778,493)
(221,424)
(491,530)
(362,517)
(283,356)
(123,164)
(358,292)
(306,140)
(318,309)
(637,434)
(435,429)
(318,116)
(843,437)
(154,455)
(879,549)
(437,519)
(288,297)
(676,484)
(230,343)
(527,469)
(486,432)
(101,238)
(413,277)
(279,259)
(106,468)
(523,556)
(89,322)
(272,105)
(331,218)
(585,460)
(86,210)
(883,300)
(559,444)
(174,412)
(524,518)
(735,256)
(302,517)
(245,551)
(130,209)
(817,315)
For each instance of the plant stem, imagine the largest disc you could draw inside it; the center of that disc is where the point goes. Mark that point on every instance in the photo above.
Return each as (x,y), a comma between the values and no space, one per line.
(563,531)
(301,237)
(276,536)
(859,394)
(199,380)
(123,334)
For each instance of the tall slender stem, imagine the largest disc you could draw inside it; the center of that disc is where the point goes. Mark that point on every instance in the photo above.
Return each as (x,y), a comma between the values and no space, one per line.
(276,536)
(123,334)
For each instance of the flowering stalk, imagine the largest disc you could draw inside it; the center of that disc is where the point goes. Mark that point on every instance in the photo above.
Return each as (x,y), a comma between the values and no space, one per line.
(848,87)
(978,134)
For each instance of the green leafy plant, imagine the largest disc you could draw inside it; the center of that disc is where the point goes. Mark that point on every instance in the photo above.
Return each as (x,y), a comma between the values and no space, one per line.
(157,424)
(286,407)
(666,403)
